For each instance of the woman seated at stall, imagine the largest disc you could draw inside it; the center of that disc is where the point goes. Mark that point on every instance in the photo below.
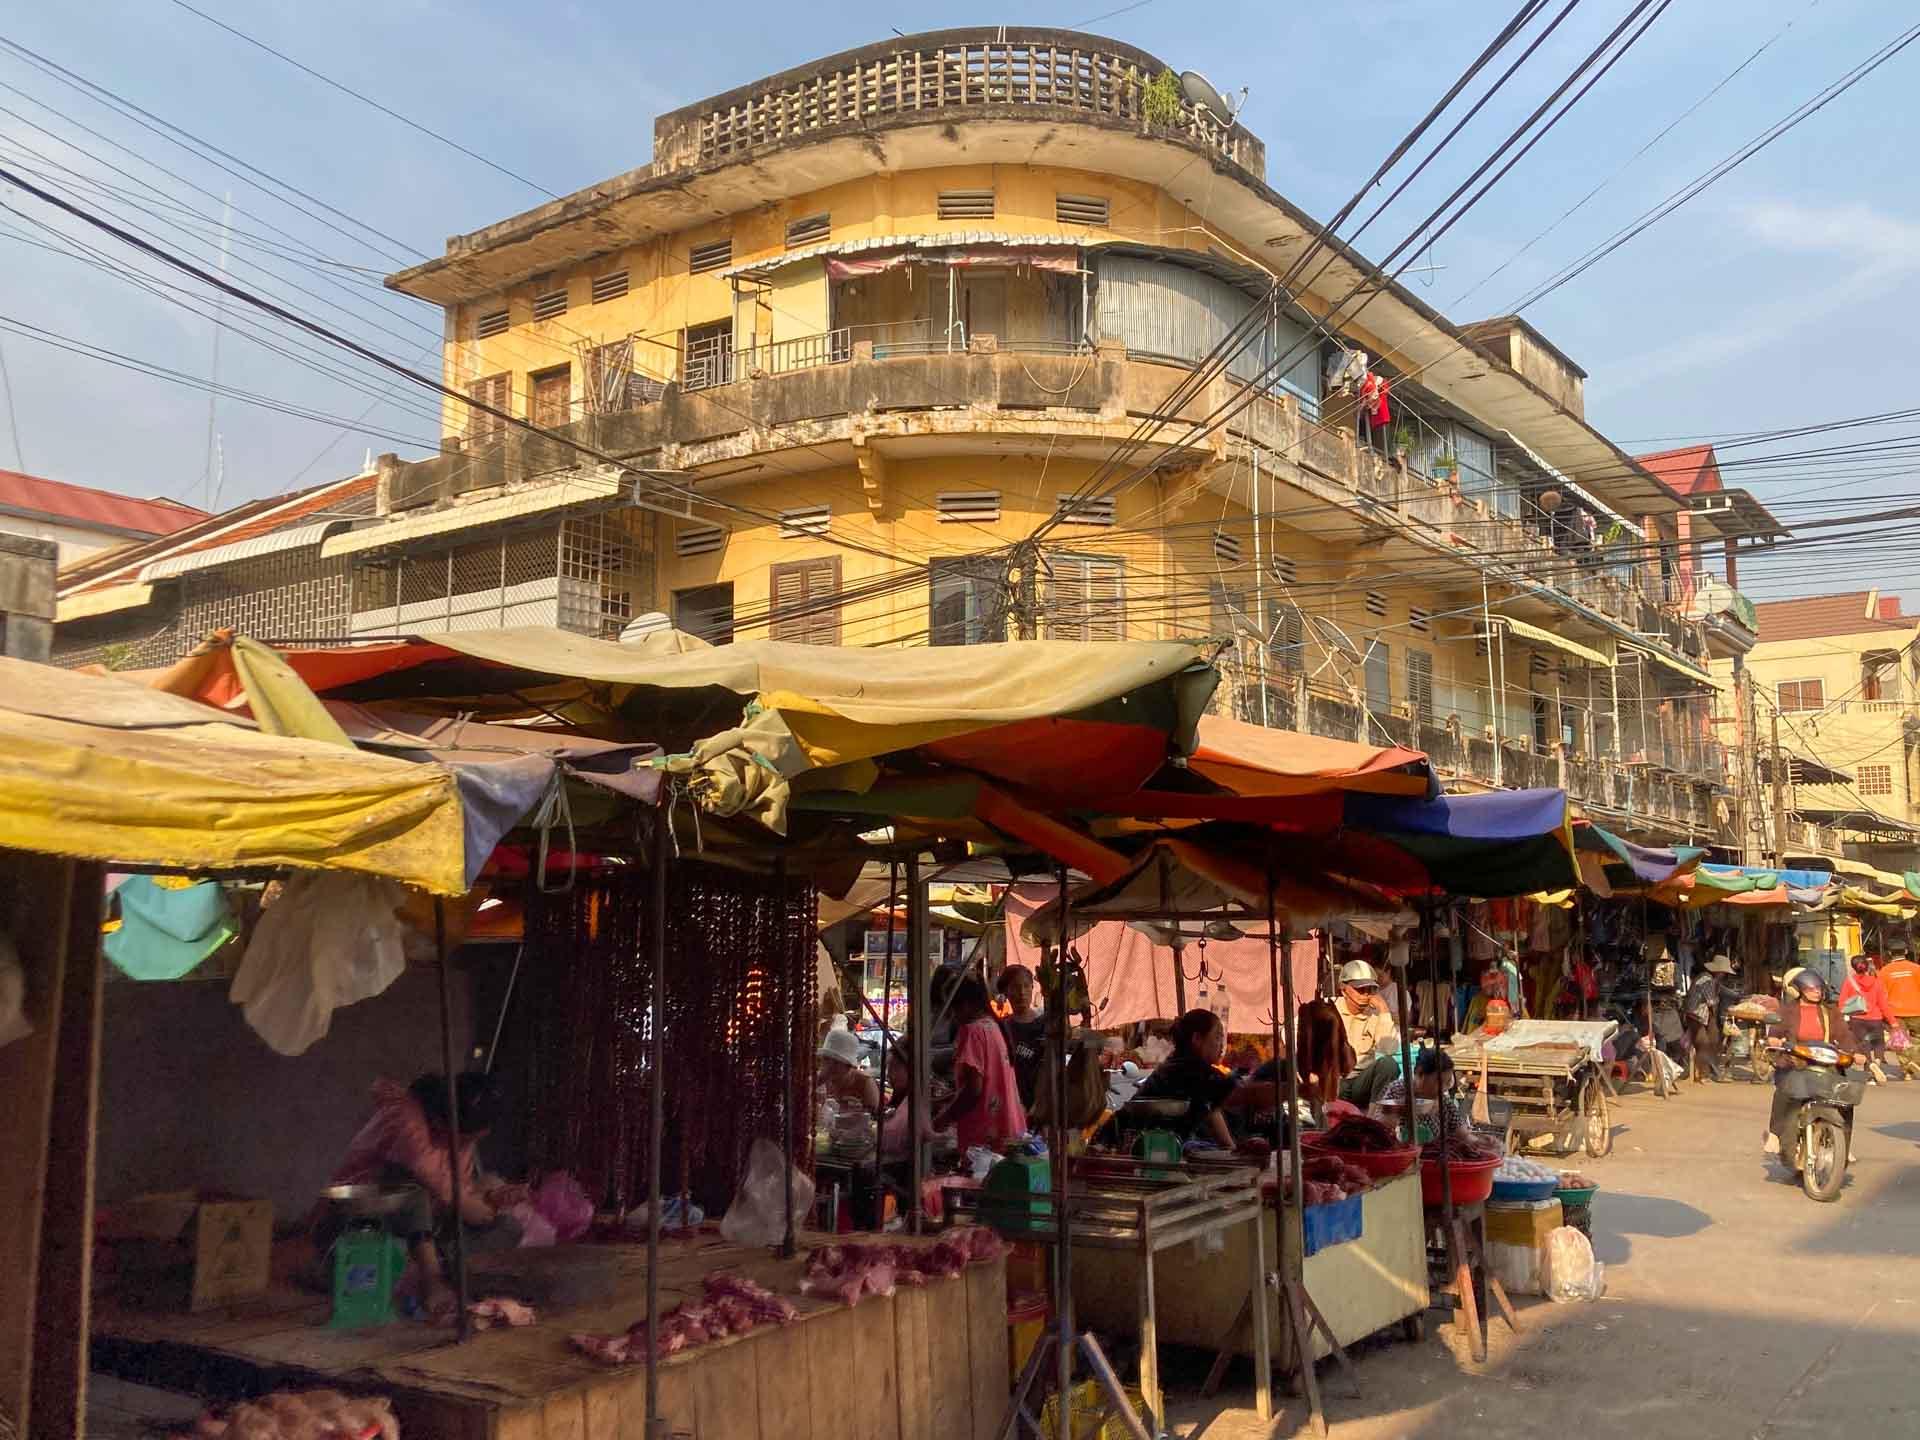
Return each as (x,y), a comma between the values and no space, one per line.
(408,1141)
(1192,1073)
(1433,1078)
(841,1077)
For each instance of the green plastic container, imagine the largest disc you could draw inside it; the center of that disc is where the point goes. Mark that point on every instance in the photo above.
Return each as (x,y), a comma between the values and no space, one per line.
(367,1264)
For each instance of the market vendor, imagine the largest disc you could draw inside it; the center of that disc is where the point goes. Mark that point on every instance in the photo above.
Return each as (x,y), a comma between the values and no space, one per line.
(841,1078)
(1192,1073)
(985,1108)
(408,1141)
(1370,1031)
(1025,1027)
(1433,1079)
(1493,986)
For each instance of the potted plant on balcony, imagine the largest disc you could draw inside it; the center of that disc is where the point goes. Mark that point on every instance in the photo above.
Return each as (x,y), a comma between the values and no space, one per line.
(1160,101)
(1402,443)
(1445,466)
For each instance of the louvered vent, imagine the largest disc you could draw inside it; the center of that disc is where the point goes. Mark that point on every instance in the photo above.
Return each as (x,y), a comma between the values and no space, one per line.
(609,287)
(1226,548)
(493,323)
(1537,664)
(550,305)
(968,507)
(698,540)
(1283,569)
(1376,604)
(1083,509)
(1419,621)
(714,255)
(808,230)
(804,521)
(1081,210)
(966,205)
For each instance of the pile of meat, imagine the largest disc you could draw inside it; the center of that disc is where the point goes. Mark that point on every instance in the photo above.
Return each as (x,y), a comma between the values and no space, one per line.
(1358,1132)
(1464,1145)
(733,1306)
(1328,1178)
(489,1314)
(304,1415)
(850,1272)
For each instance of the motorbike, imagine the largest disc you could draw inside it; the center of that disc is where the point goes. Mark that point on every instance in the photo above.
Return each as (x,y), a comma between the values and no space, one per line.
(1813,1137)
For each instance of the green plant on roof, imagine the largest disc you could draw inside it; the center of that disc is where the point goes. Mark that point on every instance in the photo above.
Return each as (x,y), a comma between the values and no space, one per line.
(1160,101)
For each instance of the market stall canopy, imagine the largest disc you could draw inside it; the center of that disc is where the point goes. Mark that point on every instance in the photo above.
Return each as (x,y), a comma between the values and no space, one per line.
(98,768)
(1611,865)
(1745,885)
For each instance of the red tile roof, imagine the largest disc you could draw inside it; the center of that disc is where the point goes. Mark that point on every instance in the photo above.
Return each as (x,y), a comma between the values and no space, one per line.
(1690,470)
(292,512)
(1806,617)
(82,505)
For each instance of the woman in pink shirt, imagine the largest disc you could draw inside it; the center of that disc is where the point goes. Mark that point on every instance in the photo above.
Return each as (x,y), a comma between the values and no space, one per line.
(1863,1000)
(985,1108)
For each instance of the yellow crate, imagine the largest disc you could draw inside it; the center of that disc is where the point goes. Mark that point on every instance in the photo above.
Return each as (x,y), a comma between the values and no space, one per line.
(1524,1223)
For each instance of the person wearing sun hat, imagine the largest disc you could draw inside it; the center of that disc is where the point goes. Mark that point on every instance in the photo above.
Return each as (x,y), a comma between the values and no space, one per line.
(840,1074)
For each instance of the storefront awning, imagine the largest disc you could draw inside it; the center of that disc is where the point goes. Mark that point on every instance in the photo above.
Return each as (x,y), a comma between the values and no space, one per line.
(543,498)
(1541,636)
(1680,667)
(109,600)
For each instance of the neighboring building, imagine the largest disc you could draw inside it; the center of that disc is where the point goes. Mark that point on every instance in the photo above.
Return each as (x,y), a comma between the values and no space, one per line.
(83,521)
(26,596)
(899,346)
(1843,673)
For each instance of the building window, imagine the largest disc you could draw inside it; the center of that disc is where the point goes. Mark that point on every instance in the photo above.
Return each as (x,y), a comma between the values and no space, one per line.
(1876,779)
(550,396)
(1379,674)
(806,601)
(966,205)
(494,322)
(1081,210)
(706,355)
(1420,686)
(550,306)
(805,520)
(967,601)
(1227,610)
(692,540)
(609,287)
(706,611)
(1801,695)
(494,391)
(967,507)
(714,255)
(1086,597)
(1880,675)
(1083,509)
(1289,642)
(810,230)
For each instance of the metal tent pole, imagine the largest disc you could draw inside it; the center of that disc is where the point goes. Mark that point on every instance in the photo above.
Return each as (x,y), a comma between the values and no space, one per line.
(1403,985)
(656,1106)
(463,1324)
(792,997)
(920,1007)
(1057,1159)
(886,1036)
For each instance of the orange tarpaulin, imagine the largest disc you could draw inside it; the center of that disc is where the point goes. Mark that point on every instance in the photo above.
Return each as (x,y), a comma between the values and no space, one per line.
(1254,760)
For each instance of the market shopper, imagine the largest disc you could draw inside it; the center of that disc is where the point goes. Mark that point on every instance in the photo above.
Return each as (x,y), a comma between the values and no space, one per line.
(1192,1073)
(1493,986)
(1807,1016)
(408,1141)
(1026,1027)
(1370,1031)
(841,1077)
(1705,999)
(1864,1003)
(985,1108)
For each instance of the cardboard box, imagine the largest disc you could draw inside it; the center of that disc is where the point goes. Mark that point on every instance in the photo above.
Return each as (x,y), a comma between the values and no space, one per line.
(202,1248)
(1524,1223)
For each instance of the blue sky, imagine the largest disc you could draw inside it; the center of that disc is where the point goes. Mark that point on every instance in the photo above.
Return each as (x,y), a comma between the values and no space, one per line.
(1778,297)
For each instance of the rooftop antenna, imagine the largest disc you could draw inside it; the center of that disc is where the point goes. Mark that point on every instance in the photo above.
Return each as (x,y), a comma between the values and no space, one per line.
(1202,96)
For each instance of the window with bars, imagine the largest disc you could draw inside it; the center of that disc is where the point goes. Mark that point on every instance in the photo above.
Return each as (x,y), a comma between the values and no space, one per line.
(1420,685)
(706,611)
(805,605)
(494,322)
(967,507)
(706,355)
(1086,597)
(550,396)
(809,230)
(1081,210)
(551,305)
(495,391)
(691,540)
(609,287)
(1376,603)
(714,255)
(966,601)
(1876,779)
(965,205)
(1226,547)
(1801,695)
(1083,509)
(1379,677)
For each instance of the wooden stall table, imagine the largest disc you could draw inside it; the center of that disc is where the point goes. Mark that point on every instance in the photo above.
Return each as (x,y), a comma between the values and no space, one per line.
(1458,1258)
(1125,1215)
(925,1361)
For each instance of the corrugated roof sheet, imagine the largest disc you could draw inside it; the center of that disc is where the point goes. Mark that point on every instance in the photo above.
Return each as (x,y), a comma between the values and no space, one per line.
(84,505)
(1806,617)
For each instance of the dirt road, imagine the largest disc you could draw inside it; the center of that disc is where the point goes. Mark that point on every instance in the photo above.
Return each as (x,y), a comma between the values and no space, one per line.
(1735,1306)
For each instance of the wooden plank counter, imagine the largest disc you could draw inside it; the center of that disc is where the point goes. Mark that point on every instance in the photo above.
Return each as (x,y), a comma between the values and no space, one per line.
(928,1360)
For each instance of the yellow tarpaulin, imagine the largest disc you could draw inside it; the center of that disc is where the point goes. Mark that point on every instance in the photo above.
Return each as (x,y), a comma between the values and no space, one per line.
(100,768)
(1558,642)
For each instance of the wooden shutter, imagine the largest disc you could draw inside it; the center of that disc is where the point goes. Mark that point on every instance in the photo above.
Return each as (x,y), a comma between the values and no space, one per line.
(493,390)
(551,402)
(805,601)
(1289,640)
(1420,685)
(1087,598)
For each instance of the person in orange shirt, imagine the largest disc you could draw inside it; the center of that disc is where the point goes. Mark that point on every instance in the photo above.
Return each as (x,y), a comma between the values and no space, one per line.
(1900,977)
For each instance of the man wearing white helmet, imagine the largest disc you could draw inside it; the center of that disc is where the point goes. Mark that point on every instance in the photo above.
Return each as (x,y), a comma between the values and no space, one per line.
(1370,1031)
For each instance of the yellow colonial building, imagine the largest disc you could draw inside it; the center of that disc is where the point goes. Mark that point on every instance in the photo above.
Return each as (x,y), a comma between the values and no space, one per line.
(986,333)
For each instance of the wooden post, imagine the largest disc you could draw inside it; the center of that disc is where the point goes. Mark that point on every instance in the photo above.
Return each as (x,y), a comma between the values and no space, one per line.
(656,1103)
(886,1036)
(1057,1161)
(920,1007)
(786,1060)
(463,1323)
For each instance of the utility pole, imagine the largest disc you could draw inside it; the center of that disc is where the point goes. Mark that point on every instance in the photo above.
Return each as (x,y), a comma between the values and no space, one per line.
(1779,768)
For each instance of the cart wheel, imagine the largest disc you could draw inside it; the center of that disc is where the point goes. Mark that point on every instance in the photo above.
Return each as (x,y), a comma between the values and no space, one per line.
(1598,1121)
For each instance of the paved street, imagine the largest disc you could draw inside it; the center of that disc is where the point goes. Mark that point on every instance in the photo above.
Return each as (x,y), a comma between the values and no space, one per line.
(1735,1306)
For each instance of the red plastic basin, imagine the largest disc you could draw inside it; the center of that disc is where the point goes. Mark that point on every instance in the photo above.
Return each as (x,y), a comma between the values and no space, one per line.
(1472,1181)
(1380,1164)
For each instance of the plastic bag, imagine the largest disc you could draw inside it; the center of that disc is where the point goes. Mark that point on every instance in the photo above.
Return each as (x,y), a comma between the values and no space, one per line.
(1897,1036)
(1572,1272)
(329,940)
(536,1231)
(562,1201)
(754,1216)
(980,1161)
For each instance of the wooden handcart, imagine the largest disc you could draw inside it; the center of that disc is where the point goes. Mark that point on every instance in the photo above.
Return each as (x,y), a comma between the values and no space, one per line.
(1550,1077)
(1751,1019)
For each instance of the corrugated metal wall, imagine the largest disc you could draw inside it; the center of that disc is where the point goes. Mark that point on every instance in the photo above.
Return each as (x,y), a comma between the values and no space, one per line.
(1160,308)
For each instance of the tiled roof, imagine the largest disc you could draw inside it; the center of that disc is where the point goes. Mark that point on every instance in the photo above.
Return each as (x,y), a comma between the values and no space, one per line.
(1689,470)
(324,498)
(1806,617)
(83,505)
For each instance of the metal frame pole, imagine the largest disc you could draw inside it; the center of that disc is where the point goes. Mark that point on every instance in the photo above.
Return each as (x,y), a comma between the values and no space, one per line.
(656,1106)
(886,1036)
(1403,984)
(920,1007)
(463,1324)
(1057,1160)
(787,1034)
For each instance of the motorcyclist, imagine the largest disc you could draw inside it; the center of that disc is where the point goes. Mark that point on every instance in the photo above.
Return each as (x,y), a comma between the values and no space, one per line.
(1807,1016)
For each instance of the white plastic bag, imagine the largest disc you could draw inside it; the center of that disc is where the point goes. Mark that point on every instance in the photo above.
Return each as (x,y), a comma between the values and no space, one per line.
(329,940)
(1572,1272)
(13,994)
(754,1216)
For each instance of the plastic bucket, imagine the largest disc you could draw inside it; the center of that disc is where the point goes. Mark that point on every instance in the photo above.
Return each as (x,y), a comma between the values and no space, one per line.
(1472,1181)
(1027,1316)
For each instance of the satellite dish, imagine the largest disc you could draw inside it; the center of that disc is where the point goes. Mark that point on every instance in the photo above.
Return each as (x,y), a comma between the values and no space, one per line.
(641,626)
(1202,96)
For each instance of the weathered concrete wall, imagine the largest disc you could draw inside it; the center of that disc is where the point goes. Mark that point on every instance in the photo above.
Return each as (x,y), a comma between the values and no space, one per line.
(27,568)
